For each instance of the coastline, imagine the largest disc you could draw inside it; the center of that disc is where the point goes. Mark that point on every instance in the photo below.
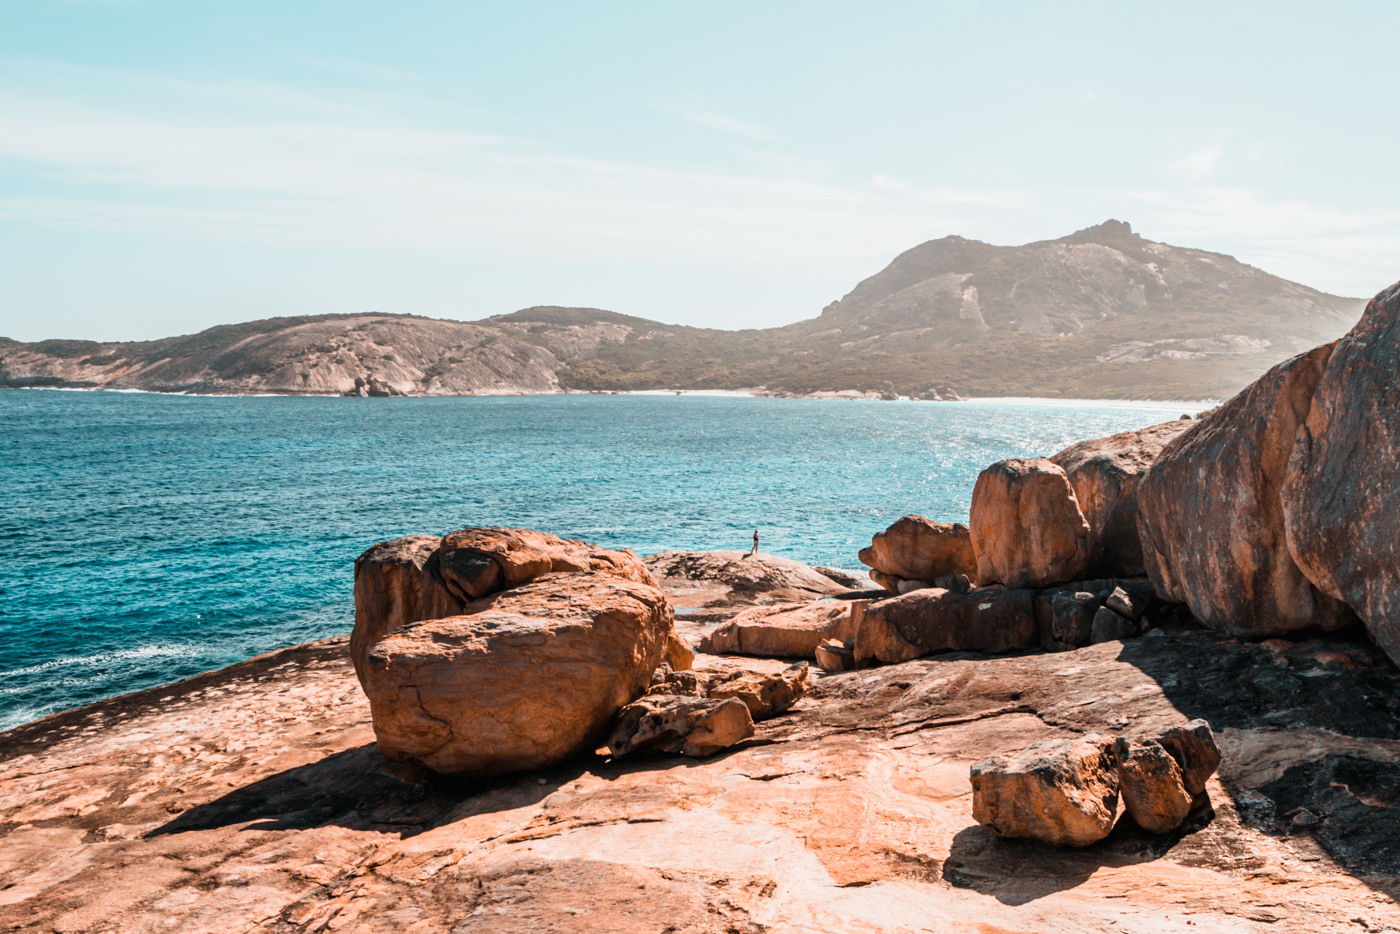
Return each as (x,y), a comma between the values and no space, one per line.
(850,395)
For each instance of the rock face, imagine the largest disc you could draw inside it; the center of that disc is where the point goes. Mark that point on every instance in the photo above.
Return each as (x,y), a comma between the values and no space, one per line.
(397,583)
(526,678)
(1211,520)
(1104,474)
(933,620)
(1341,497)
(919,549)
(783,630)
(1027,528)
(1062,792)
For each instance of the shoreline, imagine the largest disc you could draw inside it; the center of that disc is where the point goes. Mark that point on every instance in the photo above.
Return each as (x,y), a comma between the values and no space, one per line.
(850,395)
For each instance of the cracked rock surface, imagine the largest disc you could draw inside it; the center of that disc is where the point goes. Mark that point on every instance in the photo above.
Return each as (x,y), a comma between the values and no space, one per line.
(253,799)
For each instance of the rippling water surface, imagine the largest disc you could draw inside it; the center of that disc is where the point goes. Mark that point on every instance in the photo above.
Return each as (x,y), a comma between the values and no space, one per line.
(146,538)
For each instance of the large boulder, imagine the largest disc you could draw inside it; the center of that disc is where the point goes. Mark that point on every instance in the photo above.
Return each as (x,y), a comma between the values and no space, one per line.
(783,630)
(525,678)
(919,549)
(1104,474)
(1211,520)
(1027,528)
(1061,792)
(933,620)
(1341,495)
(397,583)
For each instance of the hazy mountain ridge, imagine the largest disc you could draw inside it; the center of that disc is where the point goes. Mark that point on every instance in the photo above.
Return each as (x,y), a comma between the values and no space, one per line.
(1100,313)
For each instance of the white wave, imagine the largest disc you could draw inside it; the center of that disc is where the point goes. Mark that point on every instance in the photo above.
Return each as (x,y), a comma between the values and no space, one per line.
(102,659)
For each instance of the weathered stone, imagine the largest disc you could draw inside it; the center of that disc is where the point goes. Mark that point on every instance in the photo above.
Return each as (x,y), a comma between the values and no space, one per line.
(1066,617)
(928,621)
(1195,750)
(909,586)
(919,549)
(528,678)
(784,630)
(1341,495)
(1150,782)
(737,578)
(1062,792)
(679,655)
(887,581)
(479,561)
(1122,603)
(1108,626)
(833,655)
(1027,529)
(1211,520)
(957,583)
(397,583)
(766,696)
(691,726)
(1104,474)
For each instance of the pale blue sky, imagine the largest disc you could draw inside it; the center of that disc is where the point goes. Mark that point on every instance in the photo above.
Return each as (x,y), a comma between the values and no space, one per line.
(167,166)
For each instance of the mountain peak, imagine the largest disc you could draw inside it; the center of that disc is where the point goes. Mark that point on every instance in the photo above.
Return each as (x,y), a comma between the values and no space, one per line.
(1110,231)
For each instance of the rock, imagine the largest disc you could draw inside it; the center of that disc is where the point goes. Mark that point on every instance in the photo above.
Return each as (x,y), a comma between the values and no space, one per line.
(851,580)
(1195,750)
(1066,617)
(1341,494)
(766,696)
(480,561)
(527,678)
(116,815)
(832,655)
(397,583)
(1027,529)
(927,621)
(1108,626)
(784,630)
(1104,474)
(1122,603)
(1211,521)
(957,583)
(678,655)
(1062,792)
(1150,781)
(918,549)
(737,578)
(691,726)
(886,581)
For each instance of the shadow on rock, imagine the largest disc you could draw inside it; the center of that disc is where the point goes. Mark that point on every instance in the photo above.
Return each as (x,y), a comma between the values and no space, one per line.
(360,790)
(1321,704)
(1015,872)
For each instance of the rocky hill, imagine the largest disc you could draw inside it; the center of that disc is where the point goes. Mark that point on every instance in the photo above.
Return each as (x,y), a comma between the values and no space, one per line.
(1100,313)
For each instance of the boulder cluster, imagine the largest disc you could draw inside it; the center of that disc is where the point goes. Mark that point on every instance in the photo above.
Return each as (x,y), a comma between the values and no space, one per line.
(1065,792)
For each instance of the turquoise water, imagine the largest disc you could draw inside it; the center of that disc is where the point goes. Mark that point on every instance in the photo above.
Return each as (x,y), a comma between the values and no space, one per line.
(145,538)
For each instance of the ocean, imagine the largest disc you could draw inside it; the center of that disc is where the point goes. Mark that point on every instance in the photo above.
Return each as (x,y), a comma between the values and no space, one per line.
(146,538)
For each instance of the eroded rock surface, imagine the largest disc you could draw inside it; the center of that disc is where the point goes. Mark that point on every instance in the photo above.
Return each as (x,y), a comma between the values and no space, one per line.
(928,621)
(397,583)
(676,723)
(1211,518)
(722,579)
(252,799)
(1027,528)
(1341,498)
(1150,781)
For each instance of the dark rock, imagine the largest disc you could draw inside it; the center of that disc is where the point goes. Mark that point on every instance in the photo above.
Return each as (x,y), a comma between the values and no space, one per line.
(1108,626)
(928,621)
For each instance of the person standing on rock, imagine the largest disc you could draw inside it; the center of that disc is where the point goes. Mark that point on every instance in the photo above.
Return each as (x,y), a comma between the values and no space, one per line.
(755,542)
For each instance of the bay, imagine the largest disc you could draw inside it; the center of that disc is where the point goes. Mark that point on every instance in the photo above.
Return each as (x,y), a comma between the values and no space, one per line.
(146,538)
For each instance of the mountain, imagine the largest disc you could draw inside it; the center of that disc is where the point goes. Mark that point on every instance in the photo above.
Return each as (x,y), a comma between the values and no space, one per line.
(1101,313)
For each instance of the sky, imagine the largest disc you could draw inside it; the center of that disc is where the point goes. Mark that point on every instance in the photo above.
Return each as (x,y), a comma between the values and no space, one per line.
(169,166)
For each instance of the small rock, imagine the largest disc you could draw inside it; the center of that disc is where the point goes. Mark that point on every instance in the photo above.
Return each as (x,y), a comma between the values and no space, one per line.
(1108,626)
(765,695)
(833,655)
(691,726)
(1195,750)
(1120,602)
(1150,782)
